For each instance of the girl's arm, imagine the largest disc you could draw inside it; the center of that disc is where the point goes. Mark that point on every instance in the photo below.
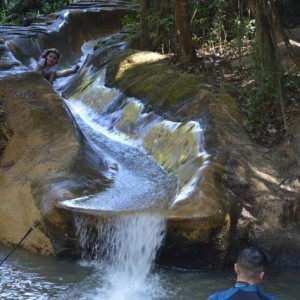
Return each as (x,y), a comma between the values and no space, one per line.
(52,77)
(40,65)
(38,68)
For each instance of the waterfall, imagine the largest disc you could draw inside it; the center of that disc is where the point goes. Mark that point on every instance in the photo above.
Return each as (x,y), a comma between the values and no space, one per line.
(124,248)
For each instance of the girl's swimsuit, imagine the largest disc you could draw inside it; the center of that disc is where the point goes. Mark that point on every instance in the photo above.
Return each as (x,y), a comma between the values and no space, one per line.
(46,72)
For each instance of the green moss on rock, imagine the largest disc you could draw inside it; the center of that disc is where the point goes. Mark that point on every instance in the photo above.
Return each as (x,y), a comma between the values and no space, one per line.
(151,76)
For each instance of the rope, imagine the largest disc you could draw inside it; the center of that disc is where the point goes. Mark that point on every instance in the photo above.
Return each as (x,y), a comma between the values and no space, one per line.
(17,245)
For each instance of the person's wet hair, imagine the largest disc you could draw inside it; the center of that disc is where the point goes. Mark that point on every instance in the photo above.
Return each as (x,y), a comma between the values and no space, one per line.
(51,50)
(252,261)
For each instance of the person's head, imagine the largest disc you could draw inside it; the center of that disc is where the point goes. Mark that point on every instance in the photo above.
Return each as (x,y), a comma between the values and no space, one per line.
(52,56)
(251,265)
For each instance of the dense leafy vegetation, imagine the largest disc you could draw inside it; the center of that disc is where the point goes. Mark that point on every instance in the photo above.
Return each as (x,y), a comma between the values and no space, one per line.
(236,45)
(20,12)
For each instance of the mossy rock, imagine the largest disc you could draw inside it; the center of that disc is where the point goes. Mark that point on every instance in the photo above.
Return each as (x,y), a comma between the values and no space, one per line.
(151,76)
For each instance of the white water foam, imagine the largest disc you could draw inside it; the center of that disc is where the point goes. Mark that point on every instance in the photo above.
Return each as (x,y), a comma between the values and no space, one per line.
(125,249)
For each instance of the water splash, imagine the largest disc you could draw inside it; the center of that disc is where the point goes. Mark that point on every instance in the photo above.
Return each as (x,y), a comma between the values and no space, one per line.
(124,248)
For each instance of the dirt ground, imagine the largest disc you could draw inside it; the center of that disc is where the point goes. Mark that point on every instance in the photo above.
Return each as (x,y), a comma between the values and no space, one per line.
(225,68)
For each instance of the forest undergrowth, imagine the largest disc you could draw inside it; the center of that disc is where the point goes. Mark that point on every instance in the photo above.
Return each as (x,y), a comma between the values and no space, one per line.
(233,70)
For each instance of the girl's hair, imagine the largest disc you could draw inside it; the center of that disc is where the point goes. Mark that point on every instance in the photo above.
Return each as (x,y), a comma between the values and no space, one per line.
(51,50)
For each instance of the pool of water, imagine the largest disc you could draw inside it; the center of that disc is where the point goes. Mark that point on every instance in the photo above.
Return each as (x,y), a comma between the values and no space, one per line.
(32,276)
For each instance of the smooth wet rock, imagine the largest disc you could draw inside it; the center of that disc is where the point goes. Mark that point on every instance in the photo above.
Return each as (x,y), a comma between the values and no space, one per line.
(254,189)
(8,63)
(42,150)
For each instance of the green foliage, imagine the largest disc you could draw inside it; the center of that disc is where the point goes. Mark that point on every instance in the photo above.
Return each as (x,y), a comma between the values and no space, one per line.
(202,20)
(218,32)
(249,28)
(3,18)
(243,29)
(132,25)
(46,8)
(3,13)
(212,22)
(52,6)
(23,13)
(160,29)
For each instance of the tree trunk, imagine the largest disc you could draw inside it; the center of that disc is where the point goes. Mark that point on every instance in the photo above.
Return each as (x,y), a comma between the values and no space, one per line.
(265,48)
(185,51)
(144,36)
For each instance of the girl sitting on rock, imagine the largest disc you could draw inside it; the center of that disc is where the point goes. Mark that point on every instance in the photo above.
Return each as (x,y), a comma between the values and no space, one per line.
(48,64)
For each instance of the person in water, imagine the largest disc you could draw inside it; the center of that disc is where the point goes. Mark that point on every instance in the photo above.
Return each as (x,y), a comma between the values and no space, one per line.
(250,269)
(48,65)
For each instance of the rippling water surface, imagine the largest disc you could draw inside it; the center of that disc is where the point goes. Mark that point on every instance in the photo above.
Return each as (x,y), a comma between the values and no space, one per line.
(32,276)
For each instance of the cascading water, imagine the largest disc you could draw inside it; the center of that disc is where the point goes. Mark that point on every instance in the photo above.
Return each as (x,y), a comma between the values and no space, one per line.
(139,182)
(123,147)
(123,247)
(123,250)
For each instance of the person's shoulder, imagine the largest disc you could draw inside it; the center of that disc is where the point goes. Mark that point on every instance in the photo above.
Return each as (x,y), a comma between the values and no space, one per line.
(267,296)
(222,295)
(42,61)
(213,297)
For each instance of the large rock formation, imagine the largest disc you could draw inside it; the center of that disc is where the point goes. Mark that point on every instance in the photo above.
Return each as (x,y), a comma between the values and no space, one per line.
(246,194)
(260,185)
(40,155)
